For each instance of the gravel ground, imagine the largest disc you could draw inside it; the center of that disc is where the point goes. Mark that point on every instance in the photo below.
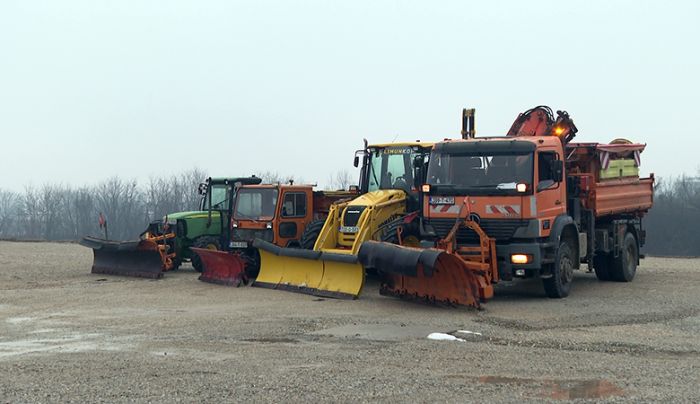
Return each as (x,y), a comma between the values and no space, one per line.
(70,336)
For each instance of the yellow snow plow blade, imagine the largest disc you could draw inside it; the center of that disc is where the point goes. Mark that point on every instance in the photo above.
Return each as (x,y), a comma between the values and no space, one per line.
(288,273)
(316,273)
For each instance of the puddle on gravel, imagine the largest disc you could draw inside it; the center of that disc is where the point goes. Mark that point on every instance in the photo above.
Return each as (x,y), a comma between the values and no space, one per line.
(377,332)
(269,340)
(64,343)
(19,320)
(563,389)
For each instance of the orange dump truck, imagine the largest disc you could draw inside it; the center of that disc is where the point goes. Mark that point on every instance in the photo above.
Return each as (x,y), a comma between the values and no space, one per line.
(529,204)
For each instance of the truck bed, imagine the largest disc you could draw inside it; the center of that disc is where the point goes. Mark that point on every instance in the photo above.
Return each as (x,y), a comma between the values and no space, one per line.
(610,194)
(625,195)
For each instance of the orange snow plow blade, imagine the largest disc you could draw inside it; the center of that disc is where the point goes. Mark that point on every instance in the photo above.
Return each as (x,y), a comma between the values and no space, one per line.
(220,267)
(140,258)
(462,276)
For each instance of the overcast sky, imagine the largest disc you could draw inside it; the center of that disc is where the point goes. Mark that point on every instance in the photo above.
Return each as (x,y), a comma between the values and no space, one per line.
(91,89)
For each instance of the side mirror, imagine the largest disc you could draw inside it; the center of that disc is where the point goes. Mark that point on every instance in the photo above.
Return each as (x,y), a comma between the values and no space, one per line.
(557,170)
(418,174)
(202,188)
(356,161)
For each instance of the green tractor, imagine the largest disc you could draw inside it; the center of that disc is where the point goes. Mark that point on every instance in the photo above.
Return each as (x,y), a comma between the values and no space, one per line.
(166,243)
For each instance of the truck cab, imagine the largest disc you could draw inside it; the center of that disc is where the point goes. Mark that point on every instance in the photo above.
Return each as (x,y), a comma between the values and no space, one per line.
(512,187)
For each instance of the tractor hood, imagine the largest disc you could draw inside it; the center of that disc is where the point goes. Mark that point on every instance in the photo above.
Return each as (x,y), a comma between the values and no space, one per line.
(194,214)
(376,197)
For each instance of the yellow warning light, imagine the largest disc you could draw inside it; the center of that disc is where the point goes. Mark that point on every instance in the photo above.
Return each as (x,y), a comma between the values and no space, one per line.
(425,188)
(558,130)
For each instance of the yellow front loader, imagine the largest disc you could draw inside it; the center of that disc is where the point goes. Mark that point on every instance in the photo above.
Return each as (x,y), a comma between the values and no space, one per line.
(388,184)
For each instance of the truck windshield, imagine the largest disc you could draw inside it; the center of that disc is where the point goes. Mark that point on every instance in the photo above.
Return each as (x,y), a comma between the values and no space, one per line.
(391,168)
(479,174)
(255,203)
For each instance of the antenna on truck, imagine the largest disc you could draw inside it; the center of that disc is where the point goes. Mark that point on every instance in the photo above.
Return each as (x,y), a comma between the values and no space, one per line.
(468,123)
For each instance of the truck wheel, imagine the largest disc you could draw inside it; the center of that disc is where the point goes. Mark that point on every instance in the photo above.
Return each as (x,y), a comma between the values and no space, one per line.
(602,265)
(625,265)
(310,234)
(207,242)
(559,284)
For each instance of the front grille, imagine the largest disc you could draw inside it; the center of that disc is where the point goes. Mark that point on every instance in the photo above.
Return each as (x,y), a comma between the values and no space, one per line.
(352,215)
(500,229)
(251,234)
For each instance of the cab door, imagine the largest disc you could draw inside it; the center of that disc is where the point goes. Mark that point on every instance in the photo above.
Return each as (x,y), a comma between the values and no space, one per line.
(550,192)
(293,212)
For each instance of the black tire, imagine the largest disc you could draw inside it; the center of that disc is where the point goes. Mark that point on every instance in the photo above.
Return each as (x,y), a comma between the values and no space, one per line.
(602,264)
(176,263)
(207,242)
(625,264)
(310,234)
(559,284)
(391,234)
(251,257)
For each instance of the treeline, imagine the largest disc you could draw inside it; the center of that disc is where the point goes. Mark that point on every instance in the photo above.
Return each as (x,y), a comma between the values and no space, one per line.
(672,224)
(62,212)
(59,212)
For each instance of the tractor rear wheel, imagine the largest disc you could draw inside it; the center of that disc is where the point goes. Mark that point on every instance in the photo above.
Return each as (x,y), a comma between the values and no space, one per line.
(558,285)
(206,242)
(310,234)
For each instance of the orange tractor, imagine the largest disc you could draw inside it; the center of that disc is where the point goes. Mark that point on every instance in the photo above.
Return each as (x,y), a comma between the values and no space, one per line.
(281,215)
(529,204)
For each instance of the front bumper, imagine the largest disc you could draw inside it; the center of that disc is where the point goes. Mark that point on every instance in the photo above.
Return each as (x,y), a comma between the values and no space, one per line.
(506,269)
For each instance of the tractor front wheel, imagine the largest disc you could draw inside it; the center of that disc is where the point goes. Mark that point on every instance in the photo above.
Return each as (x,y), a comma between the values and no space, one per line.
(206,242)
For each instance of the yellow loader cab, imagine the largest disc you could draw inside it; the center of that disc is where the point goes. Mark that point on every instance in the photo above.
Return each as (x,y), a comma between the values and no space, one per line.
(389,180)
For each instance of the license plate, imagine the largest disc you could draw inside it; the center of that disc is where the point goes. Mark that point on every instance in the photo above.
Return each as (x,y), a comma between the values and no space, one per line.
(442,200)
(238,244)
(349,229)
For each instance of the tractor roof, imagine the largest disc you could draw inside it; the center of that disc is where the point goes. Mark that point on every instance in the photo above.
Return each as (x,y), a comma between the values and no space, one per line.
(233,180)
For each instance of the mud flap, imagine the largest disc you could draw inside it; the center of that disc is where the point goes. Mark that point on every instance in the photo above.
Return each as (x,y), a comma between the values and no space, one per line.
(220,267)
(430,275)
(125,258)
(311,272)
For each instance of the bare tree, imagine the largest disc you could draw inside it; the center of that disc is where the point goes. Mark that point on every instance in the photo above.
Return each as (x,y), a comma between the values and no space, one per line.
(341,180)
(9,212)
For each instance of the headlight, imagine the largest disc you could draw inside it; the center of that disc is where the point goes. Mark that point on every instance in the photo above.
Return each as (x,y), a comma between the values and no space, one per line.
(520,258)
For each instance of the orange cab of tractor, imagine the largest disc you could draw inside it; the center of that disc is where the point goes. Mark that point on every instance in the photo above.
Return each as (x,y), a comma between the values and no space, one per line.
(278,215)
